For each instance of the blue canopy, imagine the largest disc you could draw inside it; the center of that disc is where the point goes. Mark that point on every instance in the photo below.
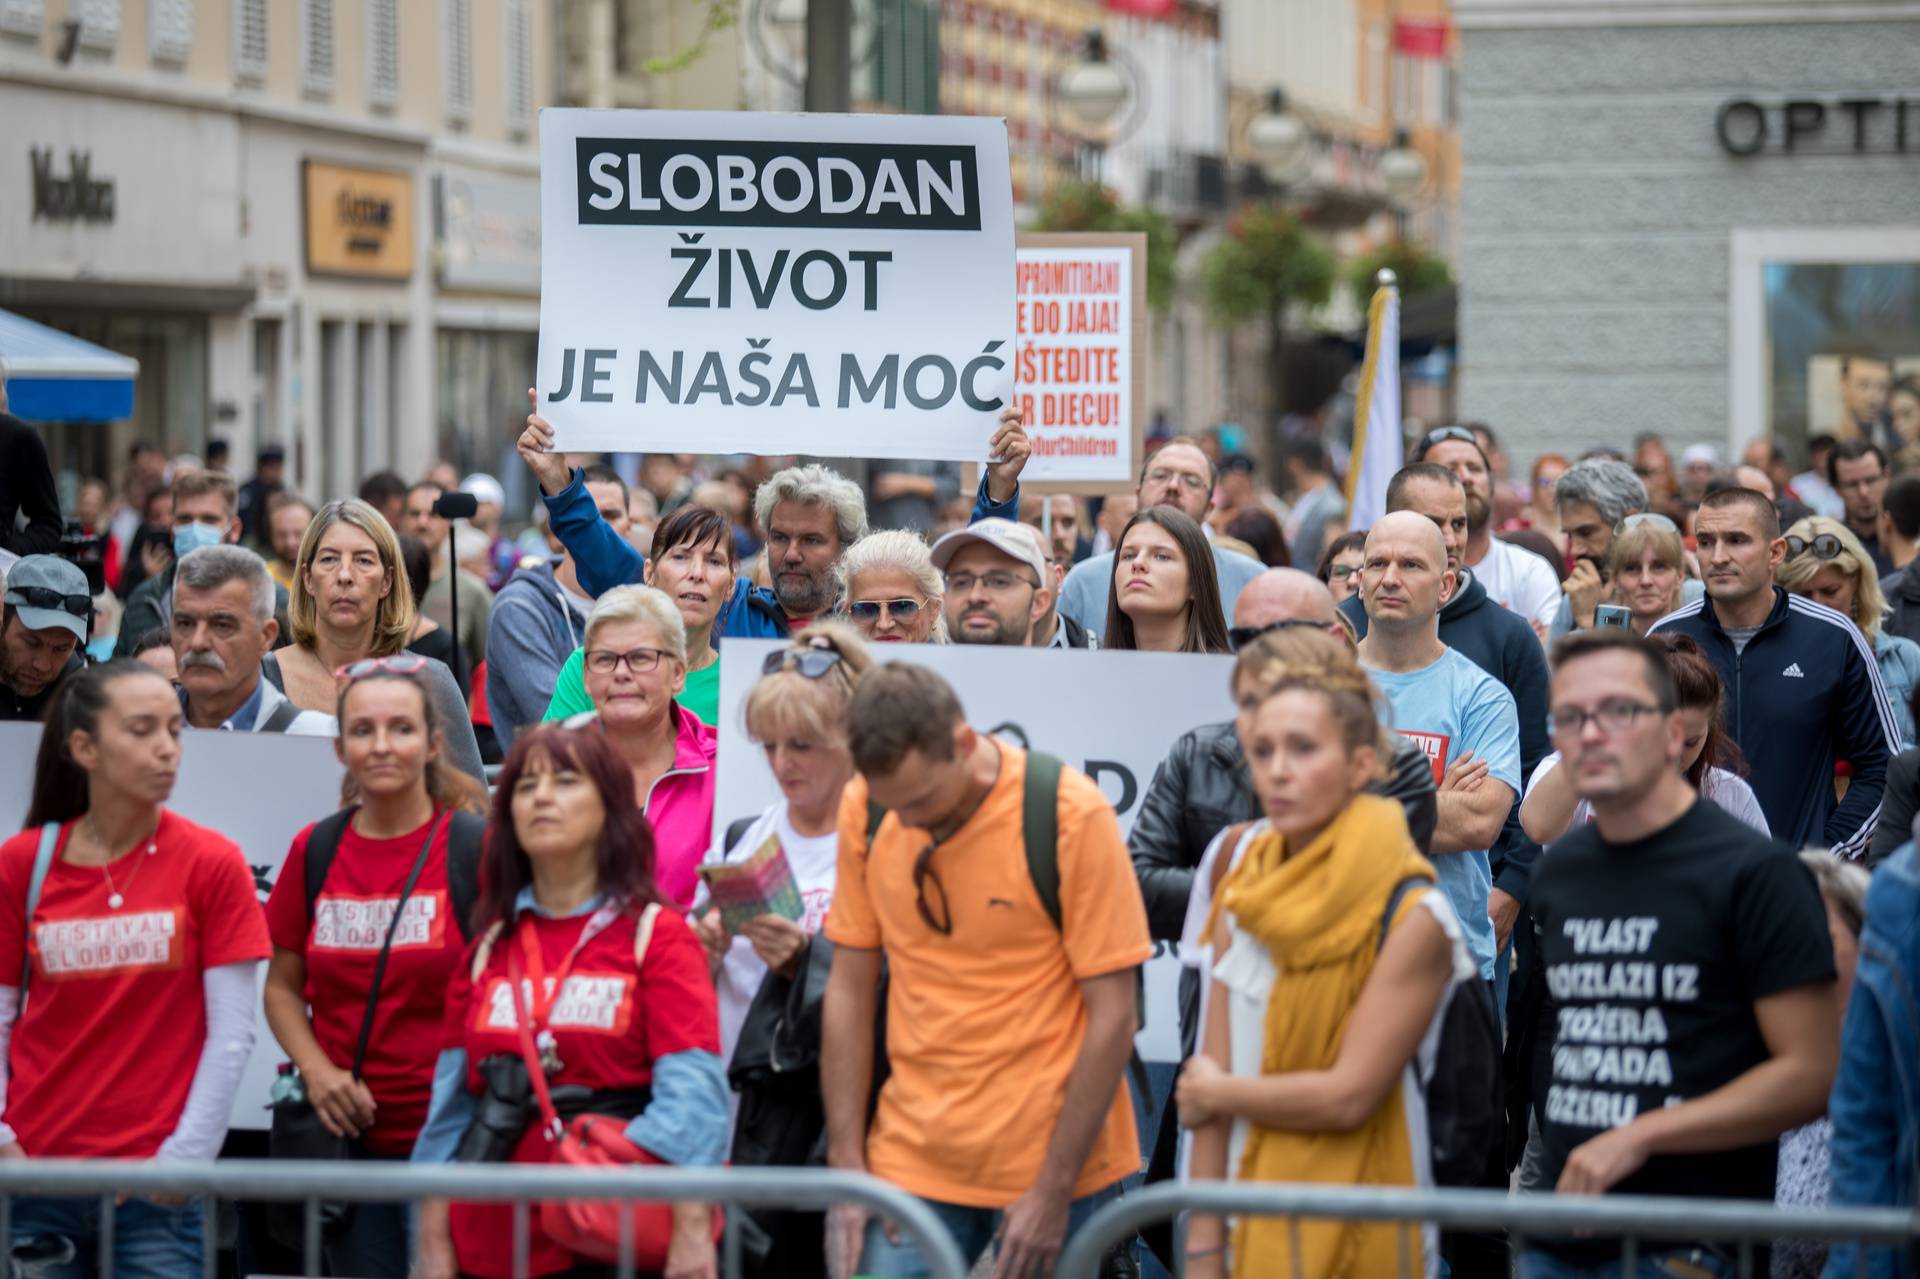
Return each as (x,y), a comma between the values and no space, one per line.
(55,377)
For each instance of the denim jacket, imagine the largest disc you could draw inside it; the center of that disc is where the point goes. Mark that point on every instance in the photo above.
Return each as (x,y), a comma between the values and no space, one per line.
(1876,1096)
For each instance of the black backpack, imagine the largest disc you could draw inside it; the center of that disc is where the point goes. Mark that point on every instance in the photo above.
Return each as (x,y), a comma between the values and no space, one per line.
(465,835)
(1466,1109)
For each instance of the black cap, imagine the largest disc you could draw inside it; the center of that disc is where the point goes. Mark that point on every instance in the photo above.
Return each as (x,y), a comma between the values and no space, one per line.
(270,453)
(1238,462)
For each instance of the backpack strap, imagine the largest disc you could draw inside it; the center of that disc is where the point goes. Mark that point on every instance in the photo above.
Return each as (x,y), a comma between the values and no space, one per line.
(1223,860)
(1040,830)
(484,951)
(1398,895)
(736,831)
(284,713)
(875,815)
(42,863)
(323,843)
(466,837)
(643,934)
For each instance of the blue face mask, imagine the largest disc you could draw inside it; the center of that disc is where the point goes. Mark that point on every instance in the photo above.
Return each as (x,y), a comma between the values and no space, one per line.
(191,537)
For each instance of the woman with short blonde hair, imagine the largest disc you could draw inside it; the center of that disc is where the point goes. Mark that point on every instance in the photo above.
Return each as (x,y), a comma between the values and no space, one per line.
(891,590)
(1648,567)
(1827,564)
(352,604)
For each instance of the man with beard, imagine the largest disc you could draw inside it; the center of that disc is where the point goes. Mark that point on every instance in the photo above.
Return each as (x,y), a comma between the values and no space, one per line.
(43,629)
(1515,578)
(999,586)
(222,625)
(811,515)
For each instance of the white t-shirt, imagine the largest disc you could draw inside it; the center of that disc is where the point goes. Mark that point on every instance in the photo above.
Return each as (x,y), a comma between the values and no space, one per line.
(1519,581)
(1728,790)
(813,858)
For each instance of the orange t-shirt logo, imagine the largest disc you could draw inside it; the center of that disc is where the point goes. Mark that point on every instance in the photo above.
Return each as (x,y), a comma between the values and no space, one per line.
(1435,747)
(139,942)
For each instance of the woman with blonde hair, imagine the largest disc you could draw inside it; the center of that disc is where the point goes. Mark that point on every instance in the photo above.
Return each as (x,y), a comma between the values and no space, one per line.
(1312,1022)
(351,601)
(1648,568)
(1827,564)
(891,590)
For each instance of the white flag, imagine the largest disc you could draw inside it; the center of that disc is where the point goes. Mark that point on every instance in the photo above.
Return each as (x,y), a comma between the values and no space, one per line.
(1378,447)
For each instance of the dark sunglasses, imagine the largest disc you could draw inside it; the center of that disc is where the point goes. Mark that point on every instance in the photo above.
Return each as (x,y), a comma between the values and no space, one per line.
(47,597)
(398,664)
(1241,636)
(1824,547)
(869,610)
(813,663)
(924,875)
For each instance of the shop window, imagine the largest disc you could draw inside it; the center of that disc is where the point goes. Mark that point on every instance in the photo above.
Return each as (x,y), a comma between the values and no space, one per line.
(316,48)
(99,24)
(22,17)
(456,38)
(250,41)
(383,54)
(519,78)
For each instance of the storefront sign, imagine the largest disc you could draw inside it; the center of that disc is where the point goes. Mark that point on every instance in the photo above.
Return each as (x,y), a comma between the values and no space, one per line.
(77,197)
(489,231)
(731,282)
(1032,698)
(359,222)
(1813,126)
(1080,319)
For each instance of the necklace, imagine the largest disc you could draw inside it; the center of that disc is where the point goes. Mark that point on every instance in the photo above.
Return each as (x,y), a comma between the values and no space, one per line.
(115,898)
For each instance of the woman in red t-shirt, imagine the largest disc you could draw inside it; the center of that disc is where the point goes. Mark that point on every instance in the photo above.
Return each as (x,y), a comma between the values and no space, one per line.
(396,832)
(139,957)
(567,877)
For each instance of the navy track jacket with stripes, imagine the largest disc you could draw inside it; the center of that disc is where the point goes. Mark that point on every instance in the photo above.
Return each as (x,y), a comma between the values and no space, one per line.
(1804,694)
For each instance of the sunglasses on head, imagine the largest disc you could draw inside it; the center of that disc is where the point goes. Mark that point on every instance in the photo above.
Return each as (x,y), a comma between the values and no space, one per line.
(813,663)
(398,664)
(1441,434)
(899,610)
(47,597)
(1241,636)
(1649,517)
(1824,547)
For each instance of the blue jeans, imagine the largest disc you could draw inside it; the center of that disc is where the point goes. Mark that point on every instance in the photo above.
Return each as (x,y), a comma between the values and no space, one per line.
(972,1228)
(1670,1263)
(150,1241)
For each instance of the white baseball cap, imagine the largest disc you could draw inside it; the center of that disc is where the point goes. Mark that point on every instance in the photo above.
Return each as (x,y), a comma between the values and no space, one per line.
(1016,541)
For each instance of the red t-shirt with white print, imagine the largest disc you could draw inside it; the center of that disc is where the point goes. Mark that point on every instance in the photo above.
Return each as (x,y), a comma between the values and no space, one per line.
(609,1023)
(341,945)
(105,1052)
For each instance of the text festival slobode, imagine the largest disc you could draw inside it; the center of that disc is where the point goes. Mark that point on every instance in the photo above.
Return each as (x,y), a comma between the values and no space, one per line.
(722,282)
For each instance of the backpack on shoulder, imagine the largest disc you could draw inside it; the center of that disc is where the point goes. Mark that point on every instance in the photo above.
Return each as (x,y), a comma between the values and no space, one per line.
(465,835)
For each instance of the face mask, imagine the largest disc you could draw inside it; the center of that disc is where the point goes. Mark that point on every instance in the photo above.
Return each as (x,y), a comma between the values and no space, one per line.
(191,537)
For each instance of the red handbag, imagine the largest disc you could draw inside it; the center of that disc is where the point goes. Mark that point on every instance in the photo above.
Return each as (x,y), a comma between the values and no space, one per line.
(591,1227)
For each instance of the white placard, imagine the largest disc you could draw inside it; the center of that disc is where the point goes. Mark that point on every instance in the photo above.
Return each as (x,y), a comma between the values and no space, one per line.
(1068,704)
(1074,363)
(257,789)
(742,282)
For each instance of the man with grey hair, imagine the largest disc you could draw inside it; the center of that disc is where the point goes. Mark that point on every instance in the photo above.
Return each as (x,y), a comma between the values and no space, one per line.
(1595,498)
(222,626)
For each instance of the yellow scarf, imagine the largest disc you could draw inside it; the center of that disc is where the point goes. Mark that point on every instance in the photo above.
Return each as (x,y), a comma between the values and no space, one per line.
(1319,912)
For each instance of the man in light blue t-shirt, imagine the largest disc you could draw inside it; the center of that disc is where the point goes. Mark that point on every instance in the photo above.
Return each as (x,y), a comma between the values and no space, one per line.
(1456,712)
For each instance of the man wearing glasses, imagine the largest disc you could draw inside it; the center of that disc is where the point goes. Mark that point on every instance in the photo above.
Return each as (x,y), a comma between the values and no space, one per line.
(47,609)
(1178,475)
(1008,1033)
(999,585)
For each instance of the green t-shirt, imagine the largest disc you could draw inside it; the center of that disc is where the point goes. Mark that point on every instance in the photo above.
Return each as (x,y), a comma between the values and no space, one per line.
(701,695)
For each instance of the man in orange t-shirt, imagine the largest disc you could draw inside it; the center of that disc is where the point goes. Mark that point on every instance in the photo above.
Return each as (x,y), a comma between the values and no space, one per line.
(1008,1036)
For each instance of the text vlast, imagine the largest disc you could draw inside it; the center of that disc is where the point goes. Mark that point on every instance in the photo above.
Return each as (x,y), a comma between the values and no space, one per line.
(78,197)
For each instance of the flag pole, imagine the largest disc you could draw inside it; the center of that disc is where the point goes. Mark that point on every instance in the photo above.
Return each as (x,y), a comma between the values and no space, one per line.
(1384,280)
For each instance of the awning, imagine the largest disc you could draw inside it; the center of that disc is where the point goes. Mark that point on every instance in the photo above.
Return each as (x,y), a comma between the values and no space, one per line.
(56,377)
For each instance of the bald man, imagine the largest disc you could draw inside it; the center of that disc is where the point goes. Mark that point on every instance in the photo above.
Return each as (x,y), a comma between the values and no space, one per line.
(1201,788)
(1458,715)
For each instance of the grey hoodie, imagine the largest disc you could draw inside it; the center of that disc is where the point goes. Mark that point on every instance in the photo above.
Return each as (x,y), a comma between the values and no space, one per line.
(531,634)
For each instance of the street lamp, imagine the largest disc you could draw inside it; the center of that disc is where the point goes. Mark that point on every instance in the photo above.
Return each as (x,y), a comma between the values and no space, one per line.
(786,54)
(1277,138)
(1095,90)
(1403,172)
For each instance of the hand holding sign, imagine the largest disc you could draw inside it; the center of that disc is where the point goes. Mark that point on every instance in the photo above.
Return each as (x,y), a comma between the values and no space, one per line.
(1007,456)
(536,450)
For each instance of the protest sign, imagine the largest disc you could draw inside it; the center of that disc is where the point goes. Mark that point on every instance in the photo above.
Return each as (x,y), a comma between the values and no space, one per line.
(1037,698)
(738,282)
(257,789)
(1080,357)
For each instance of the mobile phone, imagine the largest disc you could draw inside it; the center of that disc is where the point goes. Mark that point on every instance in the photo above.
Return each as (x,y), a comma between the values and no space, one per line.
(1612,615)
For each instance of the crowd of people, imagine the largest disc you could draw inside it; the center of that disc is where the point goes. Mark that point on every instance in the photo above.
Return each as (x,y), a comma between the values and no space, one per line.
(1560,840)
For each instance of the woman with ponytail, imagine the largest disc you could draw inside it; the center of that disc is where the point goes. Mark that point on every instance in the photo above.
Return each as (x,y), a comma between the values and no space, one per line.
(129,942)
(1311,1021)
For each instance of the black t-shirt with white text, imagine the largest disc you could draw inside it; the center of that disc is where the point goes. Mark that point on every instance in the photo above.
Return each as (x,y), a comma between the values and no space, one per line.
(1655,952)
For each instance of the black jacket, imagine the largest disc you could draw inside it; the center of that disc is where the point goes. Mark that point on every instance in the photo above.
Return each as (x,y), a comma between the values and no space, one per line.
(1201,788)
(1804,694)
(26,488)
(1902,590)
(1897,807)
(1501,643)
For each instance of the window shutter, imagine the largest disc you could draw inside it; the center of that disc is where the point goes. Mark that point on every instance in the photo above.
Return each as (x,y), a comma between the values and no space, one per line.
(250,41)
(316,47)
(169,30)
(519,79)
(456,36)
(383,53)
(99,24)
(22,17)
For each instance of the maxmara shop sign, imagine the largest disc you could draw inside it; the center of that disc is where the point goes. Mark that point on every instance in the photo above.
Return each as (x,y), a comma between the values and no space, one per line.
(1819,126)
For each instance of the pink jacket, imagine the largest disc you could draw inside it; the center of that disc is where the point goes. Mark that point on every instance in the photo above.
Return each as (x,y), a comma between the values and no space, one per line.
(680,807)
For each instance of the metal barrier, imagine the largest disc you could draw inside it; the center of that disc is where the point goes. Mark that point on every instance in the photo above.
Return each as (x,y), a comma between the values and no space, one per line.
(520,1184)
(1742,1223)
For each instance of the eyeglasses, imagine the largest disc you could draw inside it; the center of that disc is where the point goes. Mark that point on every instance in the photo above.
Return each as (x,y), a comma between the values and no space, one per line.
(997,583)
(398,664)
(1649,517)
(641,661)
(813,663)
(924,876)
(899,610)
(47,597)
(1241,636)
(1341,572)
(1186,479)
(1612,716)
(1824,547)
